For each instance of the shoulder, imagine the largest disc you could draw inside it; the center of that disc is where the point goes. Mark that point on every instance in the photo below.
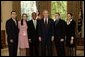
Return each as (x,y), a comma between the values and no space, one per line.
(40,20)
(30,21)
(9,20)
(19,21)
(73,22)
(51,19)
(63,21)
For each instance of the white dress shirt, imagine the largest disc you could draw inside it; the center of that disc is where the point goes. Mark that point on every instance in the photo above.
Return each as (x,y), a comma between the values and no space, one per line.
(46,20)
(35,23)
(14,21)
(68,22)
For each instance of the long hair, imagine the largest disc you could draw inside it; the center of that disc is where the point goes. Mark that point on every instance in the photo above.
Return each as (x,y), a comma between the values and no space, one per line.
(22,18)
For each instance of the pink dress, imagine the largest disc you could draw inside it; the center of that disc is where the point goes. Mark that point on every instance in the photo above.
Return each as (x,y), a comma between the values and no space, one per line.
(23,38)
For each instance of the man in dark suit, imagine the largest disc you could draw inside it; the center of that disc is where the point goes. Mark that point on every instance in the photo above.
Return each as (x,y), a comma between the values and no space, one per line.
(12,34)
(46,34)
(33,35)
(59,34)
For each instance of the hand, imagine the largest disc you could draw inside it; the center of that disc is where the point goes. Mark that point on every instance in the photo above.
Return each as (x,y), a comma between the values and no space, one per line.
(52,39)
(11,41)
(40,39)
(62,40)
(72,38)
(71,42)
(29,40)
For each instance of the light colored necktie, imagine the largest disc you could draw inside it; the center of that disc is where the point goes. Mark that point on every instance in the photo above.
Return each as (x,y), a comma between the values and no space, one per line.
(46,21)
(15,21)
(35,24)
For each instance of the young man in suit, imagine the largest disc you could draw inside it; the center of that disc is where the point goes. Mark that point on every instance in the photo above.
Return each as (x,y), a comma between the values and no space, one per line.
(33,35)
(46,34)
(59,34)
(12,34)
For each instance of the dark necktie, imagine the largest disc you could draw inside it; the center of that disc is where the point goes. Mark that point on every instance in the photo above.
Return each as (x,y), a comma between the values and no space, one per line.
(46,25)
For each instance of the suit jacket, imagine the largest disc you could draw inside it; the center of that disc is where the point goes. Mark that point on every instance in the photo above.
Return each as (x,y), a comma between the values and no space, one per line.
(46,34)
(70,32)
(12,31)
(59,31)
(32,32)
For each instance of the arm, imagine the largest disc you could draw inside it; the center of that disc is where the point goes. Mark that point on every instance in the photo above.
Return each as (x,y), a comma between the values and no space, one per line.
(73,26)
(39,30)
(73,32)
(52,31)
(63,31)
(28,30)
(9,31)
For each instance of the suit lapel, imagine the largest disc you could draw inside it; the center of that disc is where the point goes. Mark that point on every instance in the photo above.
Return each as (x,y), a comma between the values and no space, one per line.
(48,22)
(14,22)
(33,24)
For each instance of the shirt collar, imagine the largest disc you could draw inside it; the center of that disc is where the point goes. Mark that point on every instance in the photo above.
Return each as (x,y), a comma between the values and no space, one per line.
(70,20)
(13,19)
(46,19)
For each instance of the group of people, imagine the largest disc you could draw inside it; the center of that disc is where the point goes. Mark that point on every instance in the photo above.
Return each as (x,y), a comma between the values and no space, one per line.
(36,36)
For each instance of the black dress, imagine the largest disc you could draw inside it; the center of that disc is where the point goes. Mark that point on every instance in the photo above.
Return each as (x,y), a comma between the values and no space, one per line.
(70,32)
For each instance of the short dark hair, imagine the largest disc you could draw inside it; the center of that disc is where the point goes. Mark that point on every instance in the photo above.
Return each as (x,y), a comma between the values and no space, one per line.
(12,11)
(33,13)
(57,13)
(70,14)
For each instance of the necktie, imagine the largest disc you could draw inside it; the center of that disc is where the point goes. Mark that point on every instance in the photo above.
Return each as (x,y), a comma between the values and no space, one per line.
(45,21)
(15,21)
(56,22)
(35,24)
(46,25)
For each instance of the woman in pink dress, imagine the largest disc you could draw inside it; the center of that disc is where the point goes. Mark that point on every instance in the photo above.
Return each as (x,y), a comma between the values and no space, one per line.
(23,43)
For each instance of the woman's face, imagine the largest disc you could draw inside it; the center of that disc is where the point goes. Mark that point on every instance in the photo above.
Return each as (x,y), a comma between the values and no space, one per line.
(69,16)
(24,17)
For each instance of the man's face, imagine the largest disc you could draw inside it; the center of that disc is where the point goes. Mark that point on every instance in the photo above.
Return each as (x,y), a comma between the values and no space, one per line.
(13,15)
(57,17)
(45,14)
(69,17)
(34,15)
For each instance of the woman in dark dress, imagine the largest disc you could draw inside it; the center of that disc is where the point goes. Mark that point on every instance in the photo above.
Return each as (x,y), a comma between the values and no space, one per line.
(70,40)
